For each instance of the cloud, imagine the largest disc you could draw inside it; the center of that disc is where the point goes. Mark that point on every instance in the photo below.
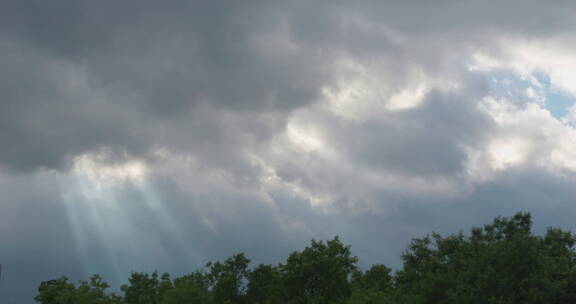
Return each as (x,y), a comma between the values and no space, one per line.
(139,135)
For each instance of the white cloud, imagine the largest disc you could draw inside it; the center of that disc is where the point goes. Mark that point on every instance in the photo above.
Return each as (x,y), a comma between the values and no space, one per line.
(554,57)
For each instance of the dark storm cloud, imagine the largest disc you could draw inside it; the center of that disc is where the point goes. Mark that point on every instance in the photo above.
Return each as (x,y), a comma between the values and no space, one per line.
(49,112)
(141,65)
(150,62)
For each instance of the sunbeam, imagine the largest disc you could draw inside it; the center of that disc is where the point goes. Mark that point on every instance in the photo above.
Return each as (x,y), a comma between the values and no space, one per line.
(106,204)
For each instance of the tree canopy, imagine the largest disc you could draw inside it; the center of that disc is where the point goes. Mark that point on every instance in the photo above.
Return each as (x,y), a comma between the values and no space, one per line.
(502,262)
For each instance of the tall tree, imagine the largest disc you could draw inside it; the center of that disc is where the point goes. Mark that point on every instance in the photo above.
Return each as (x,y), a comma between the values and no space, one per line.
(499,263)
(145,288)
(320,273)
(60,291)
(265,285)
(189,289)
(503,262)
(229,279)
(373,286)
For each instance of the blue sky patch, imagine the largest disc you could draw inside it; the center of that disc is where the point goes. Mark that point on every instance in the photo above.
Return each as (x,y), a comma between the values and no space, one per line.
(507,84)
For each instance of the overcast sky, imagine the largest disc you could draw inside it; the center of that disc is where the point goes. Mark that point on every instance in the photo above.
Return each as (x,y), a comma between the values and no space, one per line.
(142,135)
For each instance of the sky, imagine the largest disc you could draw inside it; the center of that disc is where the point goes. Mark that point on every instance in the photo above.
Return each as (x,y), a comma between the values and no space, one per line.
(141,135)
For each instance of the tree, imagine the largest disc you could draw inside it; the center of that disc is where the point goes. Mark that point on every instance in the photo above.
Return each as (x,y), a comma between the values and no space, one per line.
(57,291)
(94,292)
(320,273)
(145,289)
(265,285)
(372,287)
(228,279)
(88,292)
(499,263)
(370,296)
(189,289)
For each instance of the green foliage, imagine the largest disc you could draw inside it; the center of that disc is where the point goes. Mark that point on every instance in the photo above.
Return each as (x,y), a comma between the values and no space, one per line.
(145,289)
(370,296)
(498,263)
(55,291)
(320,273)
(60,291)
(265,285)
(227,279)
(503,262)
(372,287)
(378,278)
(189,289)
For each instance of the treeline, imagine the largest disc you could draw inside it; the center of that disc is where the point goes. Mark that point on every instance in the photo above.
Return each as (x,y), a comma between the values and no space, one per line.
(503,262)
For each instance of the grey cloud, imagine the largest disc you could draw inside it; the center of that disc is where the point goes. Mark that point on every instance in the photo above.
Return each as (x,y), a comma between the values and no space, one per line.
(155,66)
(150,64)
(429,140)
